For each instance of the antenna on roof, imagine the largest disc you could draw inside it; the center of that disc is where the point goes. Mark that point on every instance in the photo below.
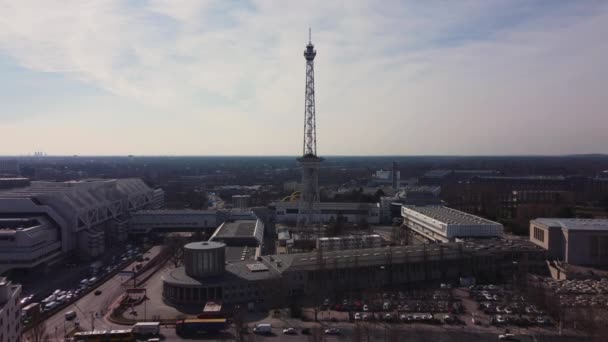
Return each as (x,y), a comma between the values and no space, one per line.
(309,35)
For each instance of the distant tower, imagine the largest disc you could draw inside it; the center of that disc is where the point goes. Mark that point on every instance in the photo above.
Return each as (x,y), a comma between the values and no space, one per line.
(395,179)
(309,211)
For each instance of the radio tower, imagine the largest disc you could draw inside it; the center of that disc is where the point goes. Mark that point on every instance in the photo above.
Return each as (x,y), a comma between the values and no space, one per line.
(309,211)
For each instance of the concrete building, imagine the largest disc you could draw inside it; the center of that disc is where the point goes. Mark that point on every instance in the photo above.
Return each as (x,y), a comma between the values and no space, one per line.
(10,311)
(14,182)
(386,177)
(241,201)
(48,220)
(287,212)
(240,233)
(274,278)
(574,241)
(9,167)
(390,206)
(443,224)
(244,239)
(349,242)
(207,275)
(148,221)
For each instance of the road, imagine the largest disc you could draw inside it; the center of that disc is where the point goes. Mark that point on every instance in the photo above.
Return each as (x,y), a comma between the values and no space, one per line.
(90,308)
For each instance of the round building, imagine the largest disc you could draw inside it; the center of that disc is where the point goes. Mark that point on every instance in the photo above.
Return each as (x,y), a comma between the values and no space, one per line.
(204,259)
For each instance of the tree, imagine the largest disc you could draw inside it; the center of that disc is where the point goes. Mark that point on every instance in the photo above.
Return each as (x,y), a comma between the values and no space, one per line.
(240,328)
(175,249)
(37,331)
(316,335)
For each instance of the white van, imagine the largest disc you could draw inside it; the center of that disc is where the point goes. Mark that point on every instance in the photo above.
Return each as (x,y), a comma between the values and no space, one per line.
(70,315)
(146,328)
(263,328)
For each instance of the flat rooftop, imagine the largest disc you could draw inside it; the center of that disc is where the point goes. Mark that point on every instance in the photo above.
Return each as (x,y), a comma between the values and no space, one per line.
(575,224)
(237,228)
(449,216)
(235,273)
(236,254)
(398,254)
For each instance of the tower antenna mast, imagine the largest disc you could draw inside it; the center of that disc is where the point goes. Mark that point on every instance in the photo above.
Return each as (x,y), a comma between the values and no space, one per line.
(309,207)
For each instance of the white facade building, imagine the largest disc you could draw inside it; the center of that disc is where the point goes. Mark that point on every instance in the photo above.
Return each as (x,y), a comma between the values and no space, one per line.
(349,242)
(10,311)
(443,224)
(287,212)
(47,220)
(241,201)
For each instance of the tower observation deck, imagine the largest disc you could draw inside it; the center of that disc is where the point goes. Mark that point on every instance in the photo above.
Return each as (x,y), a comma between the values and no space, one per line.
(309,211)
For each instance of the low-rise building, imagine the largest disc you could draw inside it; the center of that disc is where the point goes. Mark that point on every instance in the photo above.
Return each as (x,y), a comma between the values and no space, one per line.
(349,242)
(241,201)
(10,311)
(390,206)
(287,212)
(574,241)
(147,221)
(442,224)
(274,278)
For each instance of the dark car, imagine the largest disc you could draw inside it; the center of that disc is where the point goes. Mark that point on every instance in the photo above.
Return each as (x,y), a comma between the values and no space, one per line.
(97,292)
(306,331)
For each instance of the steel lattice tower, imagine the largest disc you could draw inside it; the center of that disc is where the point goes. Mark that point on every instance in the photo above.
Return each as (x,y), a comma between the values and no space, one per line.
(309,211)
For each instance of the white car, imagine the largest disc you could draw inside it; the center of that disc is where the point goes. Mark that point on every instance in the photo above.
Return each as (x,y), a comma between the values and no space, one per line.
(365,308)
(506,337)
(357,316)
(290,331)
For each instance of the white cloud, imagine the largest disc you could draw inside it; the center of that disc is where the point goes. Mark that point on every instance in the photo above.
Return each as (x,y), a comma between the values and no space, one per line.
(402,78)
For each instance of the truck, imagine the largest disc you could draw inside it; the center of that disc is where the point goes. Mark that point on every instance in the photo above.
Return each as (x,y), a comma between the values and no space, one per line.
(146,328)
(263,329)
(198,326)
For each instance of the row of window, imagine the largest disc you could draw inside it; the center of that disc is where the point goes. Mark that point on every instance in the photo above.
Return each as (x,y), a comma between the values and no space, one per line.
(539,234)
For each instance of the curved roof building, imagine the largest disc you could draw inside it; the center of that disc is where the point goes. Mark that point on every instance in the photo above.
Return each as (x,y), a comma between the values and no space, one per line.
(71,216)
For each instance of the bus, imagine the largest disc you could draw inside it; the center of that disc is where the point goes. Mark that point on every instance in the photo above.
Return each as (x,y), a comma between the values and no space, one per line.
(105,336)
(197,326)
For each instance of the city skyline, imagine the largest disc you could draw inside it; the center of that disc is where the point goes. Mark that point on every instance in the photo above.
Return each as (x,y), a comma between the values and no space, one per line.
(212,78)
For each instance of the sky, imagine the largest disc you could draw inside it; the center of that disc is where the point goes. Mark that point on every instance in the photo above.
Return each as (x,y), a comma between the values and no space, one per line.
(181,77)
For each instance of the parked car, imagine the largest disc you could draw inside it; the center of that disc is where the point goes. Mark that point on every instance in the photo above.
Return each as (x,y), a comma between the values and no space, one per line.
(290,331)
(332,331)
(70,315)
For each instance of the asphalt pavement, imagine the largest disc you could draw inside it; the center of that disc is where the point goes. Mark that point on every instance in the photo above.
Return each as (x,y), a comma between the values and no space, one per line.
(91,308)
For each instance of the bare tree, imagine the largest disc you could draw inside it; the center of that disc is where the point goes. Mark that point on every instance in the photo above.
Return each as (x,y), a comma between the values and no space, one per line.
(357,335)
(175,249)
(240,328)
(37,332)
(316,335)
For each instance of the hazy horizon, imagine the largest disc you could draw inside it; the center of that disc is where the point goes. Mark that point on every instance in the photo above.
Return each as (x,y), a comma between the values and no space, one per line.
(214,78)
